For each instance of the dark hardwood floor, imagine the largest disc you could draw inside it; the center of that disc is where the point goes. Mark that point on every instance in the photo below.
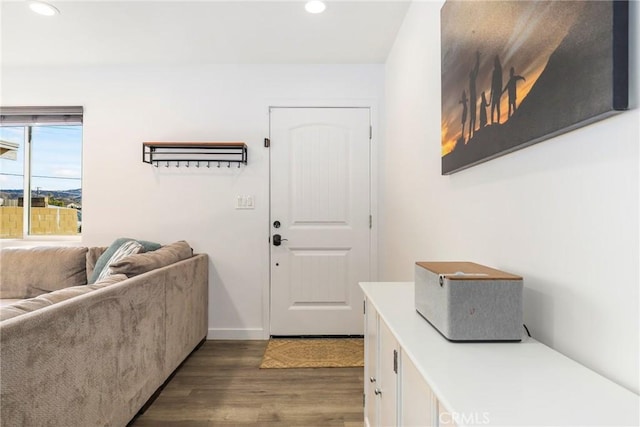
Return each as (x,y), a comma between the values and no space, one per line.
(221,384)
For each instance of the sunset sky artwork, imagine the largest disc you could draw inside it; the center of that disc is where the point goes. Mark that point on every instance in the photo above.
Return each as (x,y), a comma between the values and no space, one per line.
(546,46)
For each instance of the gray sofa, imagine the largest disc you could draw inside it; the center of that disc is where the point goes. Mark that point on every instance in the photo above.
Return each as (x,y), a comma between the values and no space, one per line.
(93,358)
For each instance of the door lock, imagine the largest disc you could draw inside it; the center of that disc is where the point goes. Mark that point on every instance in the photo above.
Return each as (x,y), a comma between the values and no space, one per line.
(277,240)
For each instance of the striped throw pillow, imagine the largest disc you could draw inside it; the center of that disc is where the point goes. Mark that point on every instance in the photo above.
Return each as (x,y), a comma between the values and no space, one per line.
(127,248)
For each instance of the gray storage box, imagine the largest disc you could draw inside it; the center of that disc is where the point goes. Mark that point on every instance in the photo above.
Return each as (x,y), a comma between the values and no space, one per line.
(465,301)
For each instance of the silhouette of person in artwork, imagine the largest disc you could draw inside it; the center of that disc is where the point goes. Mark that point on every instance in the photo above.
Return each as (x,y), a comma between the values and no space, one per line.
(473,98)
(463,101)
(511,89)
(496,89)
(483,110)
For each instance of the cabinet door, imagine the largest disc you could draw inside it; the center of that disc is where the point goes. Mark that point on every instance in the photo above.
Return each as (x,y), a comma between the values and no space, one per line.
(388,360)
(370,365)
(418,405)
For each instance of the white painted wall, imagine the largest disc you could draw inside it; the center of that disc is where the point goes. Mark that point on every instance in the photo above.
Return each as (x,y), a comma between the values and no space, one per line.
(126,105)
(563,213)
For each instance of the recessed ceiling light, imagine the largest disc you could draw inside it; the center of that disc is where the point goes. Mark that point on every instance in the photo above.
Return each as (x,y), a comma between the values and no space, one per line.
(315,6)
(43,8)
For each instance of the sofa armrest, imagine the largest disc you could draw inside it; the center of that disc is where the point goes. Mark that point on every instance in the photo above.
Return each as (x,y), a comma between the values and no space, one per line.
(187,308)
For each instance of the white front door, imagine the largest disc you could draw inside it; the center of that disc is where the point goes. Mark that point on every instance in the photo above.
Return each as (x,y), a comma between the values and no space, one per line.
(320,203)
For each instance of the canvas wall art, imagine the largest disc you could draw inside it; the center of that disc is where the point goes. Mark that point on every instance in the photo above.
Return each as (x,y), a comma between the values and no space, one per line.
(517,72)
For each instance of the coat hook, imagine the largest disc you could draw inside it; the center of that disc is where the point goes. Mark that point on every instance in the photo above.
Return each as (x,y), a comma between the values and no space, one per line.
(187,163)
(167,165)
(229,164)
(177,163)
(218,164)
(238,165)
(208,164)
(156,164)
(198,164)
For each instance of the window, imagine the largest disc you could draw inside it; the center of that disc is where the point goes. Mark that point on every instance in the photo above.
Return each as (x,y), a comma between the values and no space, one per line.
(40,157)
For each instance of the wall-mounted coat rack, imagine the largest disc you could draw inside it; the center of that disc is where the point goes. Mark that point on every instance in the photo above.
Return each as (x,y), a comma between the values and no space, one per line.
(202,154)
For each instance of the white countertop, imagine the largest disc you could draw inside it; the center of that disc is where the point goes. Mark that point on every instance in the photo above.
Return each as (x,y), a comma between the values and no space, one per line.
(524,383)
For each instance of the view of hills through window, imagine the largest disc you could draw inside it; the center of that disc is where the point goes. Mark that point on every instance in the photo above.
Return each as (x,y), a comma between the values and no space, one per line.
(50,171)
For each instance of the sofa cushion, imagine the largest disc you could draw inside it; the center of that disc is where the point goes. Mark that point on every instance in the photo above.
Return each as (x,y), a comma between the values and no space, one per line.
(111,280)
(11,311)
(23,306)
(125,249)
(133,265)
(9,301)
(105,259)
(33,304)
(93,254)
(29,272)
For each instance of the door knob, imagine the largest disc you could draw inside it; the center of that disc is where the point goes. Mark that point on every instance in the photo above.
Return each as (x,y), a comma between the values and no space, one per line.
(277,240)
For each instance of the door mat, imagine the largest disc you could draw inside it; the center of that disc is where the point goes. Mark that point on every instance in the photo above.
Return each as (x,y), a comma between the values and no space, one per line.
(313,353)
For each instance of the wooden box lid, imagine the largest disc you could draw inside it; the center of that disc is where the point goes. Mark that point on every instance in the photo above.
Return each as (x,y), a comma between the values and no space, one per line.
(462,270)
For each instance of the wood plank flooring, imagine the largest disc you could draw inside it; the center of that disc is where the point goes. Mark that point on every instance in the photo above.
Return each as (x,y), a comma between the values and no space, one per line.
(221,384)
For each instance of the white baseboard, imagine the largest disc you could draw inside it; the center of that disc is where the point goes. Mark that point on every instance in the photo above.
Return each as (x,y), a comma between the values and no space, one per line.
(237,334)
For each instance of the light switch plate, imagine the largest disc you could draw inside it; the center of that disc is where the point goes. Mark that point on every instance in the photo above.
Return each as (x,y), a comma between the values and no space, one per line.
(244,201)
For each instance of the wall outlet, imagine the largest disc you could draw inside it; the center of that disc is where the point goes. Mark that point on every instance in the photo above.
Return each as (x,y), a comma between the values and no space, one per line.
(244,202)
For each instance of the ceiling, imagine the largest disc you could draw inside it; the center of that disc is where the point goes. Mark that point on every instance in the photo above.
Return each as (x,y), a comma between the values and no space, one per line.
(94,32)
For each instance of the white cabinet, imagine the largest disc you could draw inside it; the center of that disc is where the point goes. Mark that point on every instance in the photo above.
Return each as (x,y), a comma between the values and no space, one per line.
(395,393)
(418,404)
(370,366)
(433,382)
(387,376)
(381,372)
